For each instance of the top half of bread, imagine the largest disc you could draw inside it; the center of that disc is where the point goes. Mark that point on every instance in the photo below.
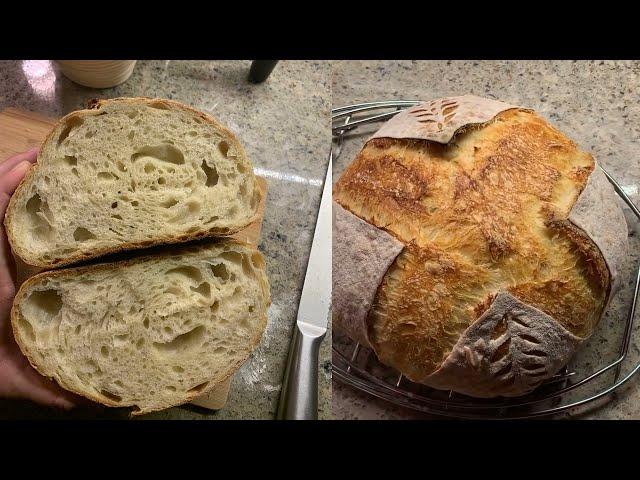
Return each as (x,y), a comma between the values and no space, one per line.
(128,173)
(485,211)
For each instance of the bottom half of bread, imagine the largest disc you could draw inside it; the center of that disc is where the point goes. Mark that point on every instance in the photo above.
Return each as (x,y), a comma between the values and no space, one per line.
(147,333)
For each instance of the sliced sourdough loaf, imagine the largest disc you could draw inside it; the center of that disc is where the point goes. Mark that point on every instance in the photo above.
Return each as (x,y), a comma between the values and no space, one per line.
(150,332)
(129,173)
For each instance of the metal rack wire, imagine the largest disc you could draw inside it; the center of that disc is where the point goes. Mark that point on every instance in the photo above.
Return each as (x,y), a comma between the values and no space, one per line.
(358,366)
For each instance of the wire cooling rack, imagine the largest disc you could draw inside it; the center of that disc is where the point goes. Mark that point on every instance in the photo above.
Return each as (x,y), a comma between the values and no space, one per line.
(570,389)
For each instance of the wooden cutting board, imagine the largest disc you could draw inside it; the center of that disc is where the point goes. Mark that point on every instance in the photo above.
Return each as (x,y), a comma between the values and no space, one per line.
(21,130)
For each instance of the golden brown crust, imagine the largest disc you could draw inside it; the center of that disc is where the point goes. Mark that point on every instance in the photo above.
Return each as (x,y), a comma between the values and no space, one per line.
(484,213)
(94,109)
(75,271)
(416,316)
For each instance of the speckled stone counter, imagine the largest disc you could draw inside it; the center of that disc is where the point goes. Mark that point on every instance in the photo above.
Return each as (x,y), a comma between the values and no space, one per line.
(283,124)
(595,103)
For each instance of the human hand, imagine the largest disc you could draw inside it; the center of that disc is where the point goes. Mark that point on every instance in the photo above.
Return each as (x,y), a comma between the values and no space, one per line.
(18,379)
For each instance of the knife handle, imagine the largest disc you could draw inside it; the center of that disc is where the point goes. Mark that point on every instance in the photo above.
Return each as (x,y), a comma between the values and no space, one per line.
(260,70)
(299,394)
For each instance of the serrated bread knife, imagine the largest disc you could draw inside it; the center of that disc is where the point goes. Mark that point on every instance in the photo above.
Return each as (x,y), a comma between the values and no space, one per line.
(299,394)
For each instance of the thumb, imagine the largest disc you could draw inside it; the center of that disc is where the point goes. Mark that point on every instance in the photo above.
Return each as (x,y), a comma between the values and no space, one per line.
(10,182)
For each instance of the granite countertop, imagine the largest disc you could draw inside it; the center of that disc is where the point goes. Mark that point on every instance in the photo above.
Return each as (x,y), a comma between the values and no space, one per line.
(283,124)
(595,103)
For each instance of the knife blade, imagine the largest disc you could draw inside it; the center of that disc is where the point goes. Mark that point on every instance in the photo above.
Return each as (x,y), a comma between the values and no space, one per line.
(299,394)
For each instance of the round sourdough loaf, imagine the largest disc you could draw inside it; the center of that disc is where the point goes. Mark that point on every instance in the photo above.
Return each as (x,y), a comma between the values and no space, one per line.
(475,246)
